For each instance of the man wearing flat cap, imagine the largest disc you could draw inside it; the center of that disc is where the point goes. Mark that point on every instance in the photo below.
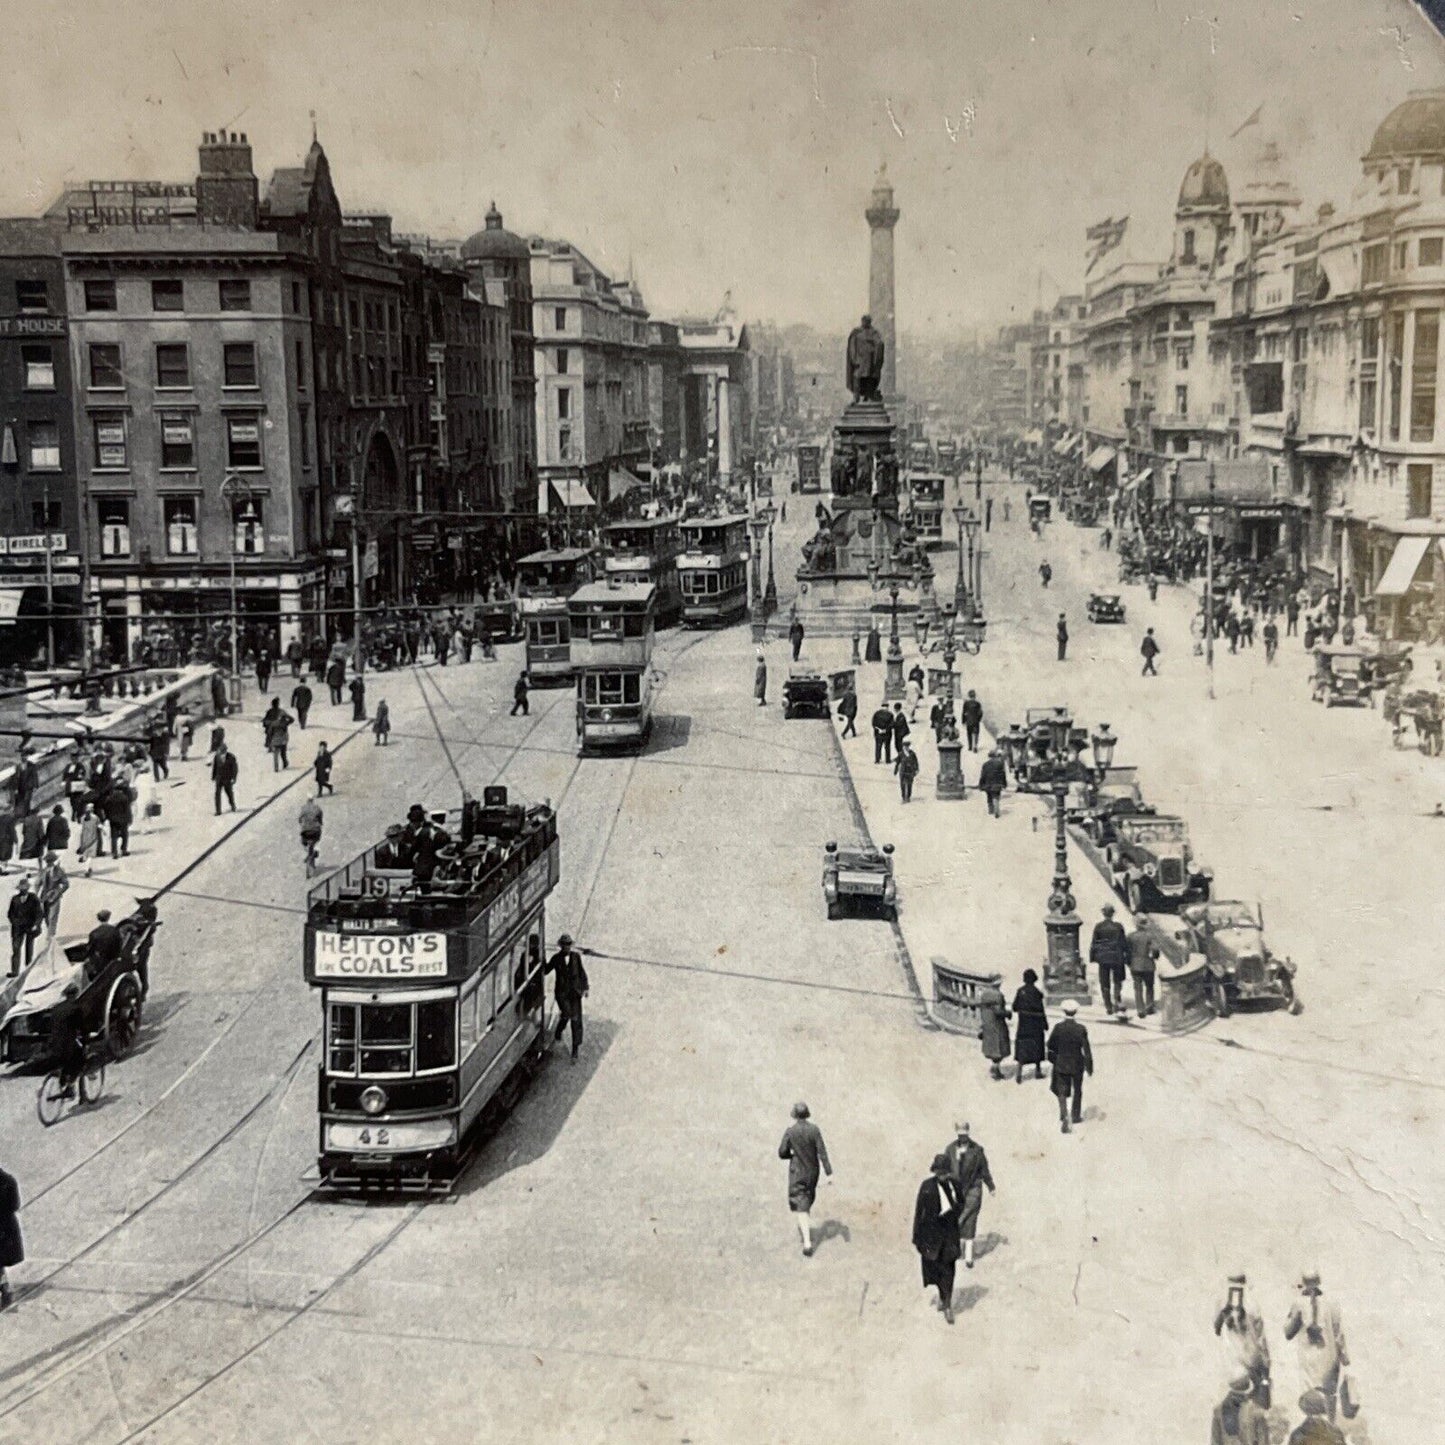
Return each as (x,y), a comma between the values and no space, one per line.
(1238,1418)
(1070,1058)
(1316,1428)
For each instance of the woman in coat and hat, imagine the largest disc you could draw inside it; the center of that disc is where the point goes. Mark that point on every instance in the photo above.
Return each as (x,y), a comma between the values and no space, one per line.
(935,1231)
(12,1244)
(993,1022)
(760,681)
(1031,1027)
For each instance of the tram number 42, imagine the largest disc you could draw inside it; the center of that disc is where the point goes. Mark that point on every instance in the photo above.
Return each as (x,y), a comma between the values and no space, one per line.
(383,1137)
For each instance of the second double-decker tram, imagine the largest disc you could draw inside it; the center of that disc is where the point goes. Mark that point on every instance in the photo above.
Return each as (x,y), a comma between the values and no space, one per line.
(612,634)
(712,570)
(428,951)
(925,498)
(645,550)
(545,580)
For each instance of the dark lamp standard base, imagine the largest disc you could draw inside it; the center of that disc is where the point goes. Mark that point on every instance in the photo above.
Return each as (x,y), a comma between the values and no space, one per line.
(1064,973)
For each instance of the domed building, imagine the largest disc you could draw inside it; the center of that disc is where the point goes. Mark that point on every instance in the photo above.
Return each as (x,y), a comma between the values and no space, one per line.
(1267,202)
(1413,131)
(494,254)
(1201,216)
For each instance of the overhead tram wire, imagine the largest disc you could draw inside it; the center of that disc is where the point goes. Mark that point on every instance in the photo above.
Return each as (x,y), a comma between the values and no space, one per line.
(441,736)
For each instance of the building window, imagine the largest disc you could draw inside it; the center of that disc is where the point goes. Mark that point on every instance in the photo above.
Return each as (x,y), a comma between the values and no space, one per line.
(1432,250)
(1402,180)
(240,363)
(563,360)
(1394,373)
(296,297)
(564,443)
(32,298)
(46,516)
(168,296)
(39,363)
(559,318)
(173,364)
(1402,255)
(1373,264)
(100,295)
(564,402)
(108,433)
(1181,400)
(301,365)
(235,295)
(1418,479)
(44,440)
(1422,376)
(1187,254)
(178,441)
(246,519)
(243,442)
(304,420)
(114,517)
(179,514)
(1369,369)
(1181,358)
(105,373)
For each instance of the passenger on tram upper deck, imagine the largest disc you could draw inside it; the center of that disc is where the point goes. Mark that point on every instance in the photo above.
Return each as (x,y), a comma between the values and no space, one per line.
(393,851)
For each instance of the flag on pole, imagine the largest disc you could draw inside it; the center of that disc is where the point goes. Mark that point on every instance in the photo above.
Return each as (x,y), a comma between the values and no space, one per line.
(1253,120)
(1104,237)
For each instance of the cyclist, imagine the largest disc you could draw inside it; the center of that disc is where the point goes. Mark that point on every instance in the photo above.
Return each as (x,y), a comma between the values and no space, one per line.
(67,1038)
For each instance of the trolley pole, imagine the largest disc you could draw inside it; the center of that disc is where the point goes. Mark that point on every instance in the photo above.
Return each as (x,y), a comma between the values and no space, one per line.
(1209,588)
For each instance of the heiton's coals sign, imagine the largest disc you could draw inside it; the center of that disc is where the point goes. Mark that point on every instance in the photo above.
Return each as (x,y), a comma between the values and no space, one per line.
(379,955)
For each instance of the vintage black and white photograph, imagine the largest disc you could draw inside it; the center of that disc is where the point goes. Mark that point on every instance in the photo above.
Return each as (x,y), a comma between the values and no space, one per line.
(722,723)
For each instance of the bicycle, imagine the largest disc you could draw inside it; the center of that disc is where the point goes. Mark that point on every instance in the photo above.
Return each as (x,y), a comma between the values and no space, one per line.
(86,1088)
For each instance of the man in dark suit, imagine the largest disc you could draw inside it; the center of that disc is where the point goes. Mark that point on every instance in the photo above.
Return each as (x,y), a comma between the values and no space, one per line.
(571,989)
(1109,948)
(935,1231)
(104,944)
(224,772)
(1070,1058)
(901,727)
(972,713)
(301,699)
(882,734)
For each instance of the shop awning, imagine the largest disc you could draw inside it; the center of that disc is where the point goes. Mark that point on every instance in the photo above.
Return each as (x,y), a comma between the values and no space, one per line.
(1100,458)
(10,603)
(1409,553)
(1065,445)
(572,493)
(620,481)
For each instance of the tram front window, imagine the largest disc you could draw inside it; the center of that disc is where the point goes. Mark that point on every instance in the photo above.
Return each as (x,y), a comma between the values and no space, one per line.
(341,1057)
(436,1035)
(386,1038)
(613,689)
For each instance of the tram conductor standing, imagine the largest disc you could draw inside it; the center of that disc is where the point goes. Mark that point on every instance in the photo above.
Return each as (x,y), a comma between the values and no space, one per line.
(571,989)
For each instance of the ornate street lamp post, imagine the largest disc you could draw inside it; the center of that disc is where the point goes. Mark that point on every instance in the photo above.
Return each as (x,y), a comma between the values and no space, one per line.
(961,604)
(971,526)
(893,684)
(759,526)
(770,594)
(1064,974)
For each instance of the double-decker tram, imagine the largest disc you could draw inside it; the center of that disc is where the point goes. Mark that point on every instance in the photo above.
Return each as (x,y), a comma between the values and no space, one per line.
(612,632)
(545,580)
(428,950)
(644,549)
(712,570)
(925,498)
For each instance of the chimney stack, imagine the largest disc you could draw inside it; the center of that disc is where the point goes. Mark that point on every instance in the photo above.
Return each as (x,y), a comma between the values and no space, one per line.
(226,190)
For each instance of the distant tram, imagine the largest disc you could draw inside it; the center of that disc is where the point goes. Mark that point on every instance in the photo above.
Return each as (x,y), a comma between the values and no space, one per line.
(428,950)
(712,570)
(925,495)
(545,580)
(645,550)
(612,633)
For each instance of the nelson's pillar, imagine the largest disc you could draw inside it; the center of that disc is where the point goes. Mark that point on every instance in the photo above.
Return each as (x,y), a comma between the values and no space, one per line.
(882,217)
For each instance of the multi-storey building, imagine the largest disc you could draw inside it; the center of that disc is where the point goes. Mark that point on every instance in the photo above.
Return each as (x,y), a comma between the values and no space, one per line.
(1059,364)
(40,599)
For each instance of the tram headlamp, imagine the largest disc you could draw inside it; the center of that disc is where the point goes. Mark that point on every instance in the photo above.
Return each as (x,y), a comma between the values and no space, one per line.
(606,714)
(373,1099)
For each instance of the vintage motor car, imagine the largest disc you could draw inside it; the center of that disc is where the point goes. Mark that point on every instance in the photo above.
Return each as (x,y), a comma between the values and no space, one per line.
(1151,867)
(1389,662)
(1242,969)
(1115,795)
(1031,748)
(859,878)
(1105,607)
(1041,507)
(1342,675)
(805,692)
(111,1000)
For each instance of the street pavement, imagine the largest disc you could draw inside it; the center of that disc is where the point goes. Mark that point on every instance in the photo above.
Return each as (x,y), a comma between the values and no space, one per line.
(619,1264)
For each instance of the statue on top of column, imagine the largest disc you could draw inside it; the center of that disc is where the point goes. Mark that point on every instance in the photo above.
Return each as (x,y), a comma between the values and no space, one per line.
(865,361)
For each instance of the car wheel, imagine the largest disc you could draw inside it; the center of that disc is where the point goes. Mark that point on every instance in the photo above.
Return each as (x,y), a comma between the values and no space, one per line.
(1219,999)
(833,912)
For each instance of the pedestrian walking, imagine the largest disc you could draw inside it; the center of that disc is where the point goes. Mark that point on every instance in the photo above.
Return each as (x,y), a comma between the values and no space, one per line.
(320,652)
(912,697)
(263,670)
(12,1242)
(1240,1329)
(1314,1321)
(1070,1058)
(1046,573)
(26,918)
(1291,616)
(88,847)
(158,747)
(1106,538)
(310,820)
(1149,650)
(968,1163)
(806,1153)
(77,784)
(992,780)
(1030,1026)
(57,830)
(795,636)
(322,768)
(570,988)
(848,713)
(1061,633)
(381,725)
(935,1232)
(301,700)
(760,681)
(118,806)
(51,884)
(336,679)
(1007,510)
(24,782)
(1271,638)
(1238,1418)
(8,839)
(295,655)
(906,767)
(882,734)
(1316,1428)
(224,772)
(1109,948)
(519,696)
(901,726)
(993,1024)
(988,515)
(1152,583)
(32,836)
(972,715)
(276,729)
(1143,960)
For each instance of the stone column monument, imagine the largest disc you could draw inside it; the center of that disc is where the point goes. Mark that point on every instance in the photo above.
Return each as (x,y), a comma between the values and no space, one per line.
(882,217)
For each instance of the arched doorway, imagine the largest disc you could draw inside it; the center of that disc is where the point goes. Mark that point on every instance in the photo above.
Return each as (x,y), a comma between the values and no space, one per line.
(381,505)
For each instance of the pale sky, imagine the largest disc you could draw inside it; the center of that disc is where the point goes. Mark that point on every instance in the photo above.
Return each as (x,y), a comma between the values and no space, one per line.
(730,144)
